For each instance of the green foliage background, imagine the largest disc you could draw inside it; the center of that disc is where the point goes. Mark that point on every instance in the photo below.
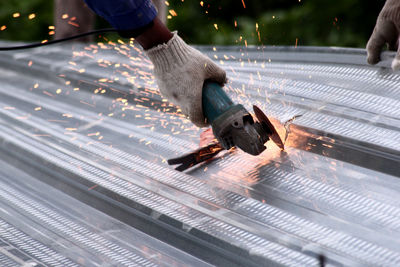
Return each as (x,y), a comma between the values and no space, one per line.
(280,22)
(22,28)
(312,22)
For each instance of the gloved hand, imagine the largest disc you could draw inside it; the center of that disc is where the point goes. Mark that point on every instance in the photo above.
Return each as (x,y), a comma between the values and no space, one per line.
(180,71)
(387,30)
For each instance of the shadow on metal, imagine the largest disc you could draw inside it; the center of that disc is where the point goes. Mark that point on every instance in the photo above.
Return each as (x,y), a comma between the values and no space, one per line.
(356,152)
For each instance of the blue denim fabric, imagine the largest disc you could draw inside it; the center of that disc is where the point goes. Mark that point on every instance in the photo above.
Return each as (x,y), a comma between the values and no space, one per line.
(124,14)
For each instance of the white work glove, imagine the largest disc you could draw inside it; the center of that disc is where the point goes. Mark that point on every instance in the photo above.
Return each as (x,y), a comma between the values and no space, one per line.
(180,71)
(387,30)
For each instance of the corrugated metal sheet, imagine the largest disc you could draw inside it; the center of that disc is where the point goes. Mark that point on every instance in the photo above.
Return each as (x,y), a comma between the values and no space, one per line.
(89,122)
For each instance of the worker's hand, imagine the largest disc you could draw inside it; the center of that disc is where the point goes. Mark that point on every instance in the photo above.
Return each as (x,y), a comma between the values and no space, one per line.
(180,71)
(387,30)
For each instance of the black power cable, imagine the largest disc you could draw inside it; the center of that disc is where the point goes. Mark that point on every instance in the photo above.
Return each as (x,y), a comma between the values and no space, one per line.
(57,40)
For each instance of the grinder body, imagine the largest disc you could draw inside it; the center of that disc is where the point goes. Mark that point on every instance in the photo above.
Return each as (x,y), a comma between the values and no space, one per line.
(231,123)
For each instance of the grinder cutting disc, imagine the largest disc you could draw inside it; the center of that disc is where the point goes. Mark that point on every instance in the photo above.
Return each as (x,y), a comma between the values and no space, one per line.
(262,118)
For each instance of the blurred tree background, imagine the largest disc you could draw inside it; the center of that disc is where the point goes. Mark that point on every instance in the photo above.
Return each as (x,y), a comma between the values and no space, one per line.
(25,20)
(228,22)
(280,22)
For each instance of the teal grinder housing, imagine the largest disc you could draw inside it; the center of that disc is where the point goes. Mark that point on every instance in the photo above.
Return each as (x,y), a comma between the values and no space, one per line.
(233,125)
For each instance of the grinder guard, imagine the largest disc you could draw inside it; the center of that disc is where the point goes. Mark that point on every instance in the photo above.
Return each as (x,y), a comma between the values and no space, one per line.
(232,124)
(236,127)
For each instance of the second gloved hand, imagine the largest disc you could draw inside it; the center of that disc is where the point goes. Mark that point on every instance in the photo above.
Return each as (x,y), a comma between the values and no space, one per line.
(387,30)
(180,71)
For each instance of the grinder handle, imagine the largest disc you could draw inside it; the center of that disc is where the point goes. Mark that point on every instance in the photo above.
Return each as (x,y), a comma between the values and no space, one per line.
(215,101)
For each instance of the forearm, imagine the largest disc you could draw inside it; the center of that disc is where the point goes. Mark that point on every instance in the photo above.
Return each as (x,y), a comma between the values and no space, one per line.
(157,34)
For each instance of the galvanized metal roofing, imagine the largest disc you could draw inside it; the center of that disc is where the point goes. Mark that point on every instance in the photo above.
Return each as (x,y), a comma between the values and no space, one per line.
(84,138)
